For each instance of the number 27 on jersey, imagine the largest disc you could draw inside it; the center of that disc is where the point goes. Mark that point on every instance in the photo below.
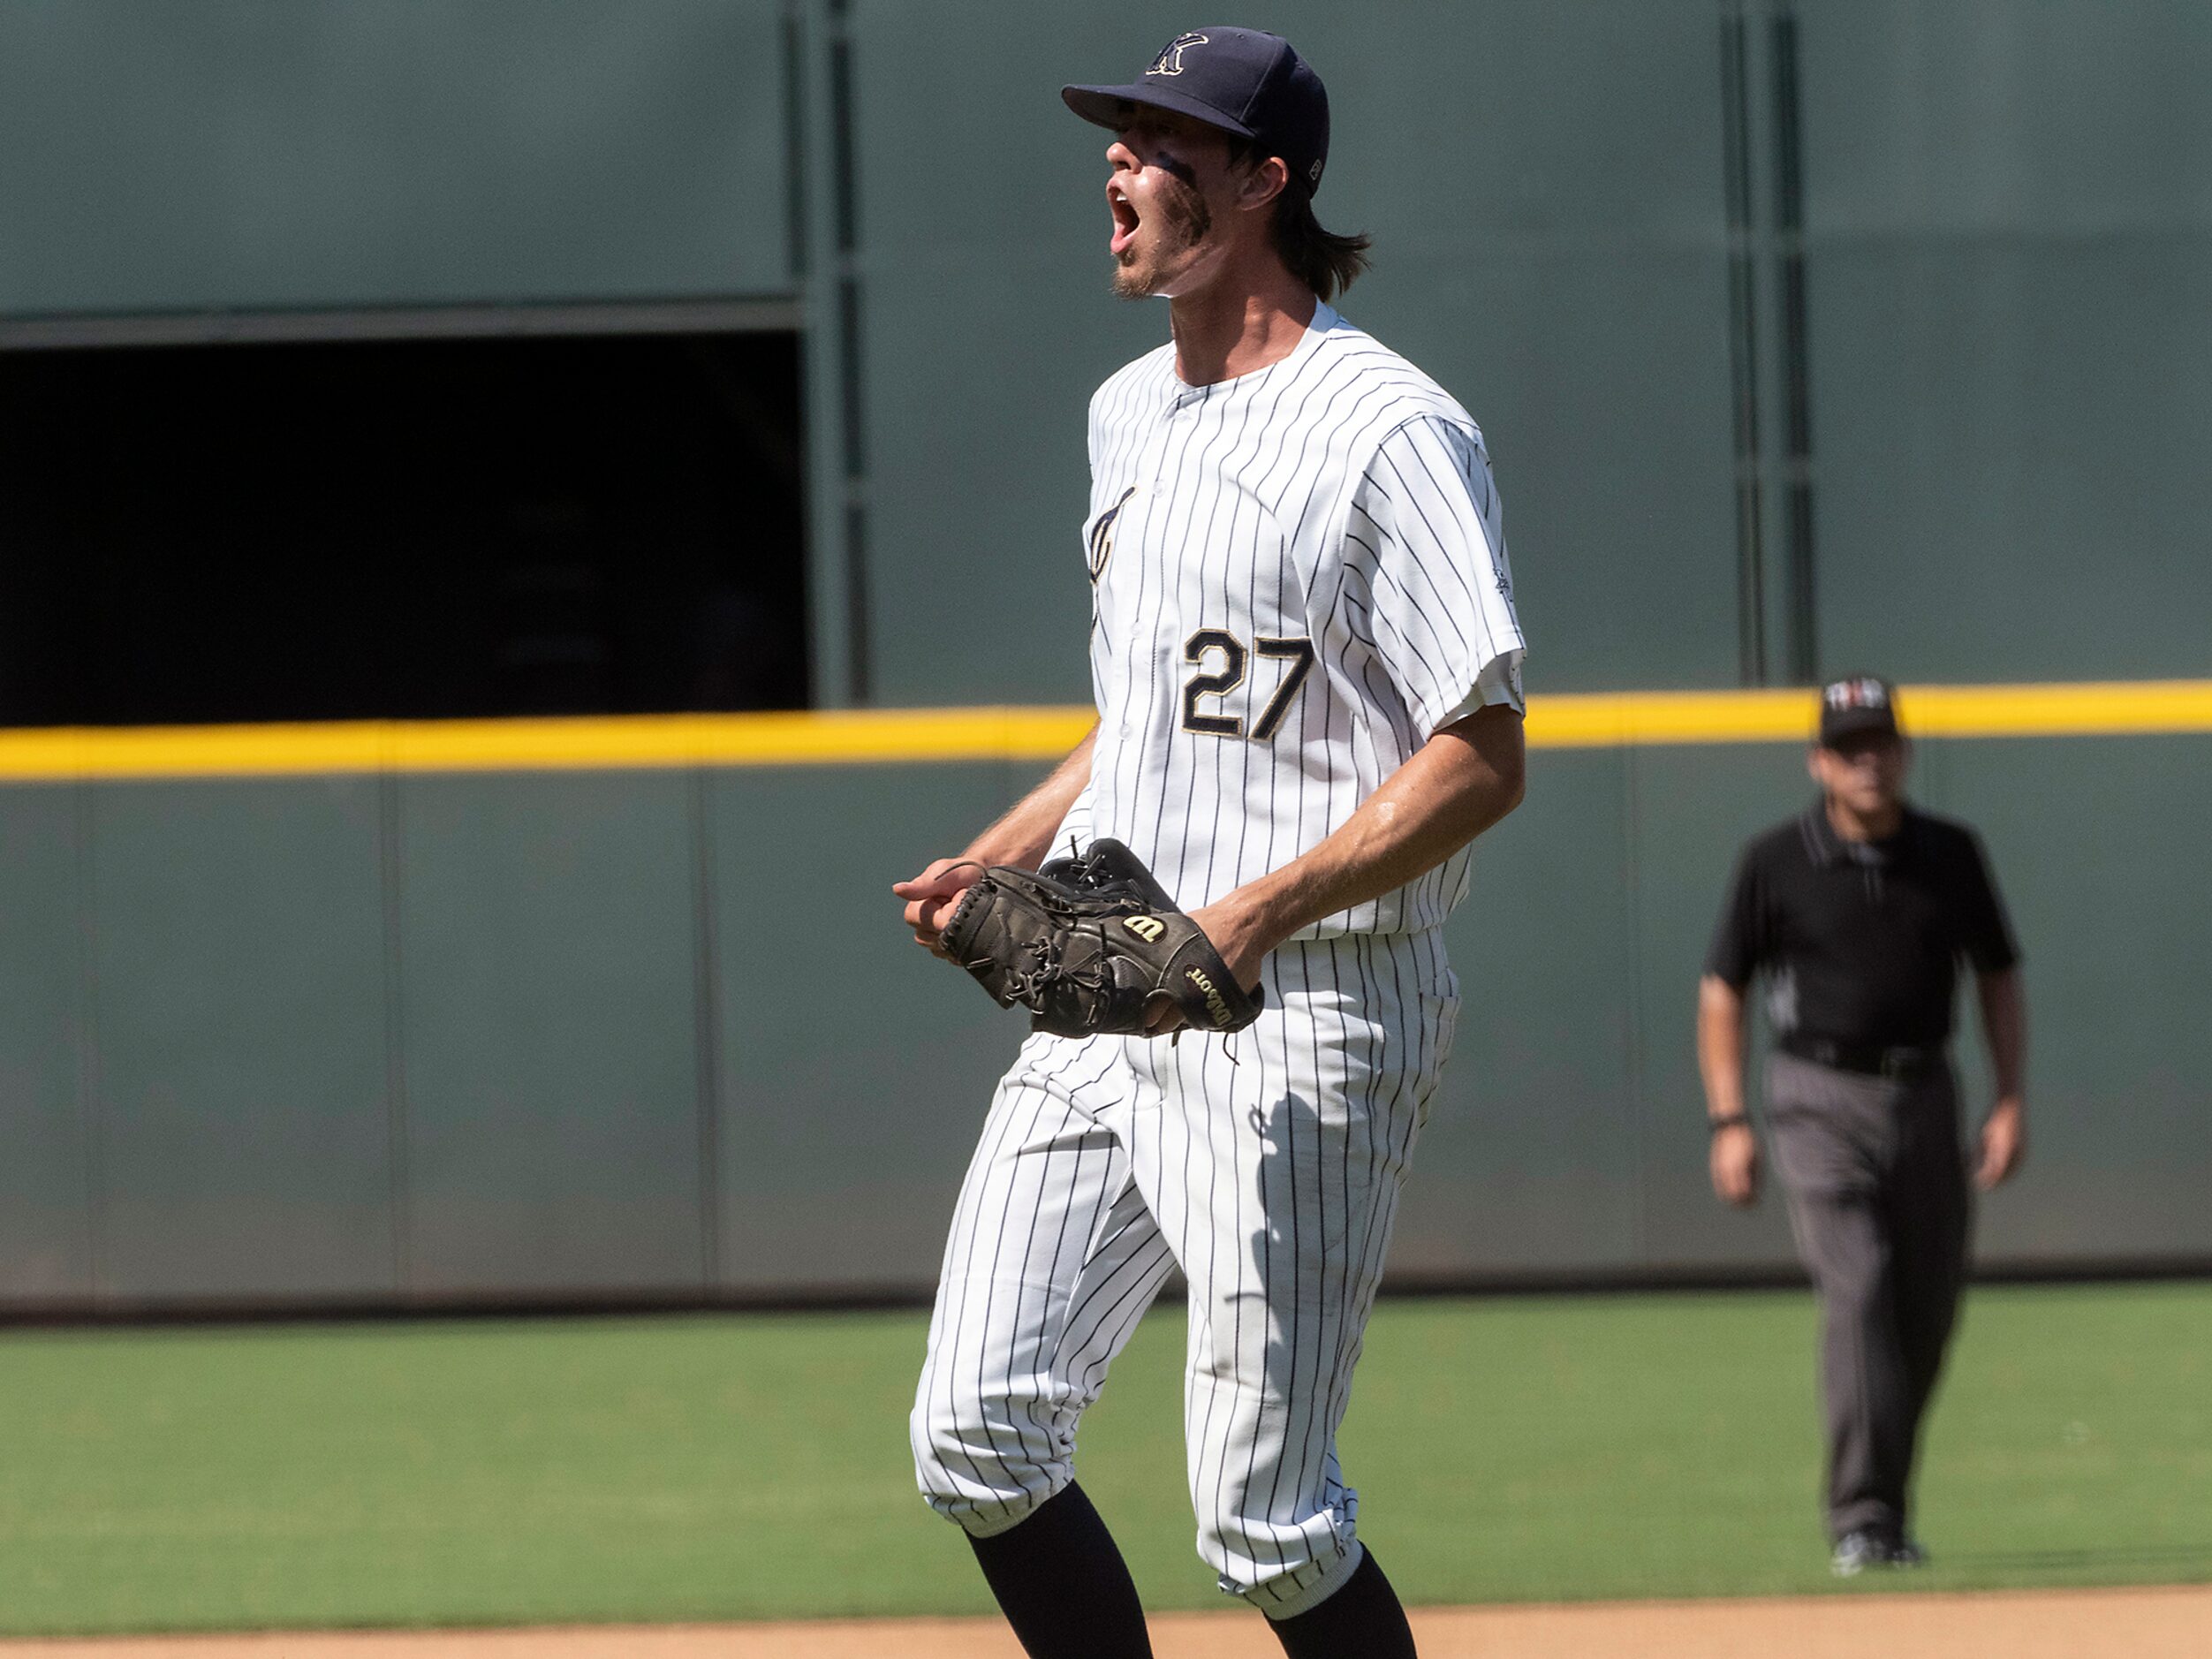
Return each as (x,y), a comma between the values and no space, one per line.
(1209,644)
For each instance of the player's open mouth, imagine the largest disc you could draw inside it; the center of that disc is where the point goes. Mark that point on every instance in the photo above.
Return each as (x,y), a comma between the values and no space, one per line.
(1125,218)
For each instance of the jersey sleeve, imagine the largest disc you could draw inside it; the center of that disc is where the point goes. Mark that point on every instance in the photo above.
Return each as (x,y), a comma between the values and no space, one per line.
(1424,538)
(1740,938)
(1987,932)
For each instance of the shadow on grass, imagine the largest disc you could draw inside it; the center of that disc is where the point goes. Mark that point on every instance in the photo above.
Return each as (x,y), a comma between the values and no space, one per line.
(2121,1555)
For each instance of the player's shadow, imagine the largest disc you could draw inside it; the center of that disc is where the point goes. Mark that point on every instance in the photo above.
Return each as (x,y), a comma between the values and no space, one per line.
(1319,1193)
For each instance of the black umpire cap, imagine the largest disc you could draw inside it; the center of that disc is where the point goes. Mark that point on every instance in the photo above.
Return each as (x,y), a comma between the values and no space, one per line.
(1856,707)
(1244,82)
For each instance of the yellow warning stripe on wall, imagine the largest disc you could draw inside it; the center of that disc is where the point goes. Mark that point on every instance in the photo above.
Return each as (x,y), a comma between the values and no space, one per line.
(2110,708)
(585,744)
(1566,720)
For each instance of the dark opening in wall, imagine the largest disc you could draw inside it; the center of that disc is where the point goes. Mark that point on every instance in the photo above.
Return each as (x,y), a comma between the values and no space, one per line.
(401,529)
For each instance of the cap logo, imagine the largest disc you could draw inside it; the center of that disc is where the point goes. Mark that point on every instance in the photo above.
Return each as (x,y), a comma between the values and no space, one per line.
(1169,61)
(1856,693)
(1312,174)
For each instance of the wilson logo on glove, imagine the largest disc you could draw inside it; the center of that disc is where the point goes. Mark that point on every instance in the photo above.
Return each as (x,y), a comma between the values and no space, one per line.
(1216,1004)
(1147,929)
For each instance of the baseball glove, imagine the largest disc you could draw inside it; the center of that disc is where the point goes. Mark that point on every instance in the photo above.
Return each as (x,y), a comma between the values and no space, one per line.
(1092,945)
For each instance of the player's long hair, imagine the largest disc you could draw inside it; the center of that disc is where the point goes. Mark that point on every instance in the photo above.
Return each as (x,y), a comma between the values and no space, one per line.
(1324,261)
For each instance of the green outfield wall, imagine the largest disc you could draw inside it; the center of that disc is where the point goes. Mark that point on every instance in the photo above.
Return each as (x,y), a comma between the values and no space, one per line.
(2006,238)
(263,155)
(615,1032)
(1997,394)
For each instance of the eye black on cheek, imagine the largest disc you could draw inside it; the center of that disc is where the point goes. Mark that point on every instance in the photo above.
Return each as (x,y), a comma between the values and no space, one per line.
(1175,167)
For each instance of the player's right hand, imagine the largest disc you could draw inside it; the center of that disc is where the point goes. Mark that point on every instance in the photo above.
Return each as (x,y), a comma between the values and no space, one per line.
(1735,1165)
(932,896)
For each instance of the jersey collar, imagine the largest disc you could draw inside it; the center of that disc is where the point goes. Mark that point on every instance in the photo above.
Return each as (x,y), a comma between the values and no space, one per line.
(1827,849)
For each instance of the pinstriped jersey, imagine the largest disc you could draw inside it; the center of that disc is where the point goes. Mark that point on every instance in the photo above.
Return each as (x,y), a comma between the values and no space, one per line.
(1298,575)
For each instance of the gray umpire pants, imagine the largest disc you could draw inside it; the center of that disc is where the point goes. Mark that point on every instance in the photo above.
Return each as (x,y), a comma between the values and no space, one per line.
(1877,1189)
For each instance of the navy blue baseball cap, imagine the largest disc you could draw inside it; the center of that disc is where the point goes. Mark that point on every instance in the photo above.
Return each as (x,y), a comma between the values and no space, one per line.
(1242,81)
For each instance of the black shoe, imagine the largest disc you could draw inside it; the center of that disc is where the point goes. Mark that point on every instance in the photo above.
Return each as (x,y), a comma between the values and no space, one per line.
(1908,1552)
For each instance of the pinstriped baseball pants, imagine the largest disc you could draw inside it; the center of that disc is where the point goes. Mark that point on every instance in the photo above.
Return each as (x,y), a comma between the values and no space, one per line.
(1268,1167)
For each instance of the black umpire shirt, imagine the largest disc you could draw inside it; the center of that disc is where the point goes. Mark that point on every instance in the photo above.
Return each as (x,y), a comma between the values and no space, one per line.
(1861,940)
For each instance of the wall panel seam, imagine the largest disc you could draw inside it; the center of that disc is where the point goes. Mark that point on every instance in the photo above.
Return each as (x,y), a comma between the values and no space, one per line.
(707,1029)
(1634,999)
(390,875)
(90,1090)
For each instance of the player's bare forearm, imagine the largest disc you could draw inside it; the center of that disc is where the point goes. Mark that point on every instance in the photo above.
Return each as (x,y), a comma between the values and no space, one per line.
(1022,837)
(1463,780)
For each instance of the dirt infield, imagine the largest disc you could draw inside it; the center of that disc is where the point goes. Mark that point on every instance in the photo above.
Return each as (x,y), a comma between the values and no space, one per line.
(2136,1624)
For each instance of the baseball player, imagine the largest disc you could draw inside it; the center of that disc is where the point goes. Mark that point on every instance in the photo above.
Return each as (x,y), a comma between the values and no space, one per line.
(1307,667)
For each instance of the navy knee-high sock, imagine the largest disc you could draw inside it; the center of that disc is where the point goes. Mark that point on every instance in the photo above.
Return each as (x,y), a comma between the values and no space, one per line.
(1063,1585)
(1362,1620)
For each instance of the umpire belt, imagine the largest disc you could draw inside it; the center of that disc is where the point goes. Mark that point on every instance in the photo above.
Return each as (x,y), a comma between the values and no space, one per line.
(1870,1059)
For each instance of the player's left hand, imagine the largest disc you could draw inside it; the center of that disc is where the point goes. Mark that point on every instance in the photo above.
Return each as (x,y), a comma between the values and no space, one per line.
(932,896)
(1230,930)
(2003,1144)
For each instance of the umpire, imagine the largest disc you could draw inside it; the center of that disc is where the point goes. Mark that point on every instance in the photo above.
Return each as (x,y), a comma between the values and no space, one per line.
(1857,913)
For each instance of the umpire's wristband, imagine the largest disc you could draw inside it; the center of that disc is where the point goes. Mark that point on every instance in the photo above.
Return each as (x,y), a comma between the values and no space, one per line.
(1733,1121)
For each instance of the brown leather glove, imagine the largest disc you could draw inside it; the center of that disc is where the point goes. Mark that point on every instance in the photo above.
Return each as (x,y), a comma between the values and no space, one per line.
(1091,944)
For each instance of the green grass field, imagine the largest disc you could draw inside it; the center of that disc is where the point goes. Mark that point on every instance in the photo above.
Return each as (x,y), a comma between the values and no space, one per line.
(700,1468)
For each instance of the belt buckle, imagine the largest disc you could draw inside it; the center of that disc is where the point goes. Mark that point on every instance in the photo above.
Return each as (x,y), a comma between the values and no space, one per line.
(1899,1063)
